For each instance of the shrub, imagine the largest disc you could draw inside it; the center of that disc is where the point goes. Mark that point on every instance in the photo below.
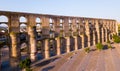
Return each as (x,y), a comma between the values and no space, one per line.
(25,64)
(116,38)
(99,46)
(87,50)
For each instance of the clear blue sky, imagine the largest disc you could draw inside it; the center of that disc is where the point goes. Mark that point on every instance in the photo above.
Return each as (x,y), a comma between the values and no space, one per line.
(84,8)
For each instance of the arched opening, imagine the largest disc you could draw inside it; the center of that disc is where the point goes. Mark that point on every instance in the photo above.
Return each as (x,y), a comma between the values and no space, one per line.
(79,42)
(51,24)
(52,49)
(70,24)
(61,20)
(38,28)
(61,34)
(40,50)
(4,43)
(77,27)
(39,44)
(85,41)
(70,27)
(96,37)
(72,44)
(52,42)
(24,49)
(91,32)
(77,24)
(63,45)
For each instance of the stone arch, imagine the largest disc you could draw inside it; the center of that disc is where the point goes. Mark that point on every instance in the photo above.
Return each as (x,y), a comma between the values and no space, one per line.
(4,18)
(38,20)
(5,45)
(38,27)
(51,24)
(61,20)
(40,50)
(23,23)
(61,25)
(70,26)
(52,48)
(24,48)
(23,27)
(22,19)
(4,22)
(69,21)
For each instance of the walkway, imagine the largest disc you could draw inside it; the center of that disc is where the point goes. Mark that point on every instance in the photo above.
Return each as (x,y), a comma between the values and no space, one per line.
(105,60)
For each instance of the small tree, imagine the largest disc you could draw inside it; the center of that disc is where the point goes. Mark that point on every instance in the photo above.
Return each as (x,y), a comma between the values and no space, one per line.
(25,64)
(99,46)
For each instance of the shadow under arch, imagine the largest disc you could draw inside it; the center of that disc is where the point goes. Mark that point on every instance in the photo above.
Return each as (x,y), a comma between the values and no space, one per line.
(85,40)
(72,43)
(96,37)
(40,50)
(63,45)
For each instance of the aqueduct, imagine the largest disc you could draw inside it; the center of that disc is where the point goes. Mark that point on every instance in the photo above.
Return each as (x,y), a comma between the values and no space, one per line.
(59,33)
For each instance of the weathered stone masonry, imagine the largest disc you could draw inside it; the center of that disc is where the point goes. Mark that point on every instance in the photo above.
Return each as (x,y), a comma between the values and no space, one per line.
(82,31)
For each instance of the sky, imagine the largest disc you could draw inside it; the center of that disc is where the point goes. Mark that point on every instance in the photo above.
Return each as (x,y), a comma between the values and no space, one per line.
(82,8)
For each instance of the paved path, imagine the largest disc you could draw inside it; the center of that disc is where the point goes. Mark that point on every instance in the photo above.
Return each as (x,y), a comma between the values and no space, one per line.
(105,60)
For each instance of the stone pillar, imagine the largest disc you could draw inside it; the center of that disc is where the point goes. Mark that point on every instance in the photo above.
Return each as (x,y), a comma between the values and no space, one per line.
(88,31)
(58,45)
(109,36)
(67,44)
(32,43)
(46,44)
(14,51)
(88,35)
(76,43)
(15,41)
(98,30)
(83,40)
